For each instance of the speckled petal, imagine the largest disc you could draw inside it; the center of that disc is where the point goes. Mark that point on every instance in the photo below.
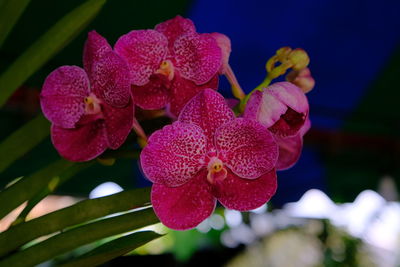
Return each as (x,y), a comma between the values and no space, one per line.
(173,28)
(186,206)
(143,50)
(96,46)
(110,80)
(243,194)
(153,95)
(63,94)
(82,143)
(118,123)
(246,147)
(224,43)
(182,90)
(198,57)
(174,154)
(208,110)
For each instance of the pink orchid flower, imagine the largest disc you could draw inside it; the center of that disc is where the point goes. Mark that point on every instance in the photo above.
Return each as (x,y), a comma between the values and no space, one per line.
(170,64)
(206,155)
(91,108)
(283,109)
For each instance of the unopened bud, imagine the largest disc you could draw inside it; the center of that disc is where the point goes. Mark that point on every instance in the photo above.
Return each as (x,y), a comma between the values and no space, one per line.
(301,79)
(299,59)
(283,52)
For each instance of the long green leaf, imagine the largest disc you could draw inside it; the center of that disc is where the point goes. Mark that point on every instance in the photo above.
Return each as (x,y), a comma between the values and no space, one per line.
(81,212)
(113,249)
(23,140)
(46,47)
(29,186)
(10,11)
(53,185)
(76,237)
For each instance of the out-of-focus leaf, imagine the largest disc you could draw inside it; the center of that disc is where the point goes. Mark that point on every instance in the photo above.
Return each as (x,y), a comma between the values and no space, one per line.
(29,186)
(113,249)
(23,140)
(53,185)
(46,47)
(10,11)
(81,212)
(76,237)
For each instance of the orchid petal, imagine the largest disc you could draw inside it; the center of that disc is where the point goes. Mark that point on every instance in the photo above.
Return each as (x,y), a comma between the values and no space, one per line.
(198,57)
(243,194)
(246,147)
(82,143)
(182,90)
(96,46)
(174,154)
(110,80)
(118,123)
(208,110)
(63,94)
(173,28)
(153,95)
(185,206)
(143,50)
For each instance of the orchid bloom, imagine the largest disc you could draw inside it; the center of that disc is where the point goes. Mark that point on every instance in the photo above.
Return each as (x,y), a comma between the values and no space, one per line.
(170,64)
(283,109)
(90,109)
(208,154)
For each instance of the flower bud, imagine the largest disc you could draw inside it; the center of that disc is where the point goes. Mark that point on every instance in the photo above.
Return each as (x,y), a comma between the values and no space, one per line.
(301,79)
(299,59)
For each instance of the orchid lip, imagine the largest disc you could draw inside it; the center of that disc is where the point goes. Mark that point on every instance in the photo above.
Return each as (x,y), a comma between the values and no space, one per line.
(167,69)
(92,104)
(216,170)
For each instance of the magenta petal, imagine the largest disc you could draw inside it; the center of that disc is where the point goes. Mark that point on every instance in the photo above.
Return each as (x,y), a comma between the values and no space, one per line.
(208,110)
(143,50)
(244,194)
(63,94)
(182,90)
(153,95)
(185,206)
(174,28)
(82,143)
(246,147)
(289,151)
(110,80)
(174,154)
(198,57)
(224,43)
(118,123)
(96,46)
(290,95)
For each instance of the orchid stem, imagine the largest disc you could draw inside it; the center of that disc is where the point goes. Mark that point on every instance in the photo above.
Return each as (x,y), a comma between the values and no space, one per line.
(237,90)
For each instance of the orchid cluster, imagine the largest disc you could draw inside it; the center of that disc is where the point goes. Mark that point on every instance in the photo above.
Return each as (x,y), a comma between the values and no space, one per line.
(213,150)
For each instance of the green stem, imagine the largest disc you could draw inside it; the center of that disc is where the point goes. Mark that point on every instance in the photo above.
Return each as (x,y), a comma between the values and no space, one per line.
(81,212)
(79,236)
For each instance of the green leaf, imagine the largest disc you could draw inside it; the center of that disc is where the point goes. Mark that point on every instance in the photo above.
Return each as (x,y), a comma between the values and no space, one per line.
(81,212)
(46,47)
(29,186)
(113,249)
(52,186)
(10,11)
(23,140)
(76,237)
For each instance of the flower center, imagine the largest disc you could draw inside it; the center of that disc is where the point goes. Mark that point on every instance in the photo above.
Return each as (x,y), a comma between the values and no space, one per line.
(92,104)
(216,170)
(167,69)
